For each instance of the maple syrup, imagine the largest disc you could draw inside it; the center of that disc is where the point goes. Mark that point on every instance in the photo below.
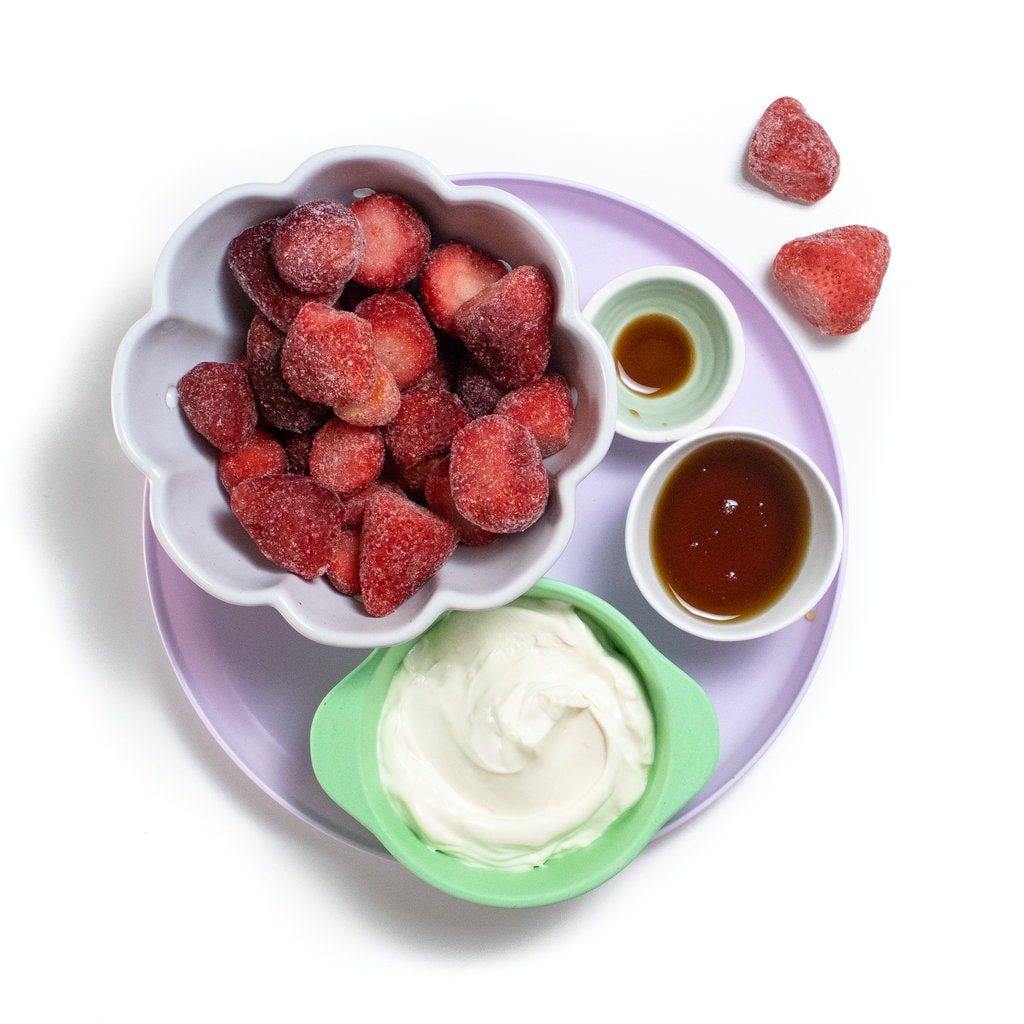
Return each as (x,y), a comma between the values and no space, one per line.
(730,529)
(654,355)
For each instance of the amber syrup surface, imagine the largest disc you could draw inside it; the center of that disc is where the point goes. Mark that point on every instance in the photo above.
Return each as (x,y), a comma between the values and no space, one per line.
(730,529)
(654,354)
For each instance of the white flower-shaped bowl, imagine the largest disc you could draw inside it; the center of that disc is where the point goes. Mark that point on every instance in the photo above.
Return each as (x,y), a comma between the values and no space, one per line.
(199,313)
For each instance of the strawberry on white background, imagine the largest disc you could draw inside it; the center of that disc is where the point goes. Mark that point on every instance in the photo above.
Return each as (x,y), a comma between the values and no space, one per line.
(833,277)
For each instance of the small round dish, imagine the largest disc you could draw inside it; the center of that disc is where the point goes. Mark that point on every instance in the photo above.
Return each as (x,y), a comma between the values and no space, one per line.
(713,352)
(199,313)
(676,478)
(344,754)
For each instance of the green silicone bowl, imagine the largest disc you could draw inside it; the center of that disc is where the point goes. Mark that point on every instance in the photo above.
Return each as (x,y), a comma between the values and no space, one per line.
(343,747)
(704,310)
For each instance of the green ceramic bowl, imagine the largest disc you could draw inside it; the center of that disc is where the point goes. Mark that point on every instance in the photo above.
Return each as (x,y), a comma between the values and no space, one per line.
(343,746)
(718,349)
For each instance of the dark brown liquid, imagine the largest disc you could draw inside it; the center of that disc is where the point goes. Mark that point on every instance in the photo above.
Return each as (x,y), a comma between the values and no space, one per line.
(730,529)
(654,354)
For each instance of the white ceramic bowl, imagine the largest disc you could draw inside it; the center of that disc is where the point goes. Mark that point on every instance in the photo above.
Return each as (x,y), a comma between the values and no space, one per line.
(811,580)
(704,310)
(199,313)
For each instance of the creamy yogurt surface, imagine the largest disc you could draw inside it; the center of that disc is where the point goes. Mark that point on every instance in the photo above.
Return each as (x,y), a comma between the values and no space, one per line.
(511,735)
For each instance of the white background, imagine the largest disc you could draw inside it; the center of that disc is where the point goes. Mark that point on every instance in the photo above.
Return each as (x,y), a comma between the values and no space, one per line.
(869,867)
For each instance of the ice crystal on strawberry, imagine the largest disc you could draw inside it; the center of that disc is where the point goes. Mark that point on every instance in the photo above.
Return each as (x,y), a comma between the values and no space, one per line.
(397,240)
(295,522)
(452,274)
(317,247)
(328,356)
(792,153)
(506,326)
(217,400)
(832,278)
(497,475)
(251,263)
(403,545)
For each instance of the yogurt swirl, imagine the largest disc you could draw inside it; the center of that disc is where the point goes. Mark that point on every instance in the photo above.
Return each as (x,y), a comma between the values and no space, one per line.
(512,734)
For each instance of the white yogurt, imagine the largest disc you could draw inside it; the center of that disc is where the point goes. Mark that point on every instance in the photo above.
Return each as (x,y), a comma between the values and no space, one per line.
(511,735)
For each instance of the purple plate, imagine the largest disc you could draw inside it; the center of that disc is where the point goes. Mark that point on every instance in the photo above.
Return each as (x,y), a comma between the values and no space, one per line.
(256,683)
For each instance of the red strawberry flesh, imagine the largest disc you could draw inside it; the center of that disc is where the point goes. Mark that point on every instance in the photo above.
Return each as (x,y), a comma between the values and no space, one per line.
(452,274)
(278,404)
(328,356)
(397,241)
(497,475)
(403,546)
(218,401)
(317,247)
(250,262)
(346,457)
(427,421)
(506,326)
(833,278)
(295,522)
(545,408)
(263,455)
(402,337)
(792,153)
(343,571)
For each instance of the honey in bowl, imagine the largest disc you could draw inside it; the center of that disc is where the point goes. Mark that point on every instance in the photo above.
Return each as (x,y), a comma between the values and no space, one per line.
(730,529)
(654,355)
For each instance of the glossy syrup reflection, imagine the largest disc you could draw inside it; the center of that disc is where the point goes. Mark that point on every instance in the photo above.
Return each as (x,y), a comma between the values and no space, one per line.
(730,529)
(654,354)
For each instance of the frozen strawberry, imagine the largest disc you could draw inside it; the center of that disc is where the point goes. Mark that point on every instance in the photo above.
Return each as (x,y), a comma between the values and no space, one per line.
(380,407)
(355,504)
(403,546)
(317,247)
(427,421)
(412,479)
(792,154)
(251,264)
(506,326)
(832,278)
(295,521)
(328,356)
(397,241)
(437,490)
(343,570)
(545,408)
(296,447)
(217,400)
(402,337)
(476,387)
(451,274)
(346,457)
(263,455)
(277,403)
(439,376)
(497,474)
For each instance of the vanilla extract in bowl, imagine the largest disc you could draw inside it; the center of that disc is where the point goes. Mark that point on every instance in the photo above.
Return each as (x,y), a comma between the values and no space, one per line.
(654,354)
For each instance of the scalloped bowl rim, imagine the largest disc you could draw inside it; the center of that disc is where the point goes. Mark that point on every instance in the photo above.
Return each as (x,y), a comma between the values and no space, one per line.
(289,594)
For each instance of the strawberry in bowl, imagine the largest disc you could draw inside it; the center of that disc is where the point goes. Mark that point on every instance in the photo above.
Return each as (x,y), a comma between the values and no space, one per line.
(297,393)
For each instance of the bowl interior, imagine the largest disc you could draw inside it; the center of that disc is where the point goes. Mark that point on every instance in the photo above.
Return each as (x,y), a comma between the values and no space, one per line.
(714,327)
(817,570)
(343,745)
(199,313)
